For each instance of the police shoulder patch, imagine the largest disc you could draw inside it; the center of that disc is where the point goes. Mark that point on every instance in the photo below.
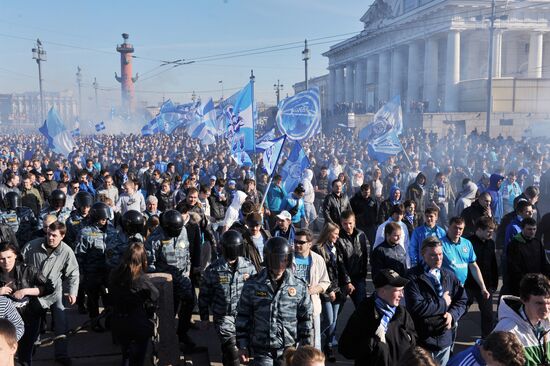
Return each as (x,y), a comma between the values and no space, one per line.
(292,291)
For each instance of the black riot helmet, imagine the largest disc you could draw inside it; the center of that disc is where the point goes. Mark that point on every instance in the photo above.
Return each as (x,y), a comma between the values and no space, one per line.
(57,199)
(133,222)
(171,223)
(99,211)
(278,254)
(83,199)
(232,244)
(12,200)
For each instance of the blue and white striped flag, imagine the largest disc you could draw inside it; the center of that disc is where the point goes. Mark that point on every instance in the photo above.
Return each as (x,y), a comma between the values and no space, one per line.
(299,117)
(294,167)
(100,126)
(382,134)
(272,153)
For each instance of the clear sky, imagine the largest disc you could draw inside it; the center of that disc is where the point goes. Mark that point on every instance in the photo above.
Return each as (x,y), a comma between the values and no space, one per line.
(85,33)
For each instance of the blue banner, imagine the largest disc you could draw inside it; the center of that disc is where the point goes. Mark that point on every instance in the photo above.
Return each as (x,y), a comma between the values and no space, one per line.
(299,117)
(294,167)
(272,153)
(100,126)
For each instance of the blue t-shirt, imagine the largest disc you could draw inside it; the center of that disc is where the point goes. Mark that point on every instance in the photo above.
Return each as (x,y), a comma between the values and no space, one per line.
(457,257)
(303,266)
(469,357)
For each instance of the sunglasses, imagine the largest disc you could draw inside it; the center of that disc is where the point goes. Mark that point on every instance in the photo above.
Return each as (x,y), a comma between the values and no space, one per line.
(300,242)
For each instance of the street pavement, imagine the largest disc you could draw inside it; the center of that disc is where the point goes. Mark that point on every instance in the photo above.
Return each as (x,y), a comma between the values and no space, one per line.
(89,348)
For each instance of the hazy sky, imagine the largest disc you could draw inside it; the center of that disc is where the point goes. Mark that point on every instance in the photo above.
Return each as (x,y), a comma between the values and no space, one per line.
(86,33)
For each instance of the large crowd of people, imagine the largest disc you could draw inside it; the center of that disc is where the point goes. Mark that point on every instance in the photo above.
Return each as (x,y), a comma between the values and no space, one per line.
(433,228)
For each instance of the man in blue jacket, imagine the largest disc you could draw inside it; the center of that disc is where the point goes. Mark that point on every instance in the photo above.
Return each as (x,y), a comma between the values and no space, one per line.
(436,301)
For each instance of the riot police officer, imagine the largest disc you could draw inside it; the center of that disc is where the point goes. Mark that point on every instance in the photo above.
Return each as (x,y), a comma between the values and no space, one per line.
(56,206)
(20,219)
(90,253)
(83,202)
(221,288)
(132,228)
(274,311)
(168,251)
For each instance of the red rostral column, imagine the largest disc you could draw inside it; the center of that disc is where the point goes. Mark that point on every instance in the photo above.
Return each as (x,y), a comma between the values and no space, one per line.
(126,80)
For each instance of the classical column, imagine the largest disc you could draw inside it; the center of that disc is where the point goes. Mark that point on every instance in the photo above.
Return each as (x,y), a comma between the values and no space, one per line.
(452,71)
(535,55)
(497,54)
(413,72)
(349,82)
(331,88)
(340,84)
(396,72)
(371,69)
(472,53)
(384,76)
(430,73)
(360,82)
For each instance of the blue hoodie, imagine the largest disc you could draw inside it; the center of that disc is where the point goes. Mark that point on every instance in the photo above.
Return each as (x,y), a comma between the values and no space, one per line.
(497,206)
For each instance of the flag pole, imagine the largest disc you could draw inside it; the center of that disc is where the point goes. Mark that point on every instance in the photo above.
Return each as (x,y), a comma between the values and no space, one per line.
(272,173)
(405,153)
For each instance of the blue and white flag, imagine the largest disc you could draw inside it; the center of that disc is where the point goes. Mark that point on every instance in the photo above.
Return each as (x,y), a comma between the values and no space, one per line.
(75,132)
(240,132)
(299,117)
(59,138)
(100,126)
(242,158)
(272,153)
(294,167)
(98,143)
(382,134)
(203,127)
(265,140)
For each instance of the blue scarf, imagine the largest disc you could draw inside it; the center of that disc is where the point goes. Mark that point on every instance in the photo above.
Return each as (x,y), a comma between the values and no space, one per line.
(435,278)
(329,247)
(410,218)
(385,310)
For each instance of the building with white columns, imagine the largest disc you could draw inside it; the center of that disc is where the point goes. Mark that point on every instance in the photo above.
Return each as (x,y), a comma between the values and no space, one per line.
(436,52)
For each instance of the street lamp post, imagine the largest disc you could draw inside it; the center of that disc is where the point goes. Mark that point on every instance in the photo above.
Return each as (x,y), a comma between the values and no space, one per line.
(305,54)
(221,82)
(278,87)
(39,54)
(96,86)
(79,83)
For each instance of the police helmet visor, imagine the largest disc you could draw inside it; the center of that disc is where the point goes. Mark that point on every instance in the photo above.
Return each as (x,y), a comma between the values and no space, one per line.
(232,252)
(277,262)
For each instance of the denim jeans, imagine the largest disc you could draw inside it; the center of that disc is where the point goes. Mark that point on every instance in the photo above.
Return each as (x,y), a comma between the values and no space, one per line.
(360,292)
(317,331)
(442,356)
(60,326)
(329,321)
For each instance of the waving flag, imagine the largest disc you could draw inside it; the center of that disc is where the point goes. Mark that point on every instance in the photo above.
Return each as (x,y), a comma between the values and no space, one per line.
(294,167)
(170,117)
(265,140)
(382,134)
(75,132)
(241,127)
(272,153)
(204,125)
(59,138)
(242,158)
(299,117)
(100,126)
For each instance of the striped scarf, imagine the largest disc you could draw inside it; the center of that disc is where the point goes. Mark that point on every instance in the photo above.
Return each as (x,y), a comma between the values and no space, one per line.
(385,310)
(435,276)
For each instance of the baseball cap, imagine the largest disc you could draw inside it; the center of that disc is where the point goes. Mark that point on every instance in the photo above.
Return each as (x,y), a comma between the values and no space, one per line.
(231,183)
(284,215)
(389,277)
(213,177)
